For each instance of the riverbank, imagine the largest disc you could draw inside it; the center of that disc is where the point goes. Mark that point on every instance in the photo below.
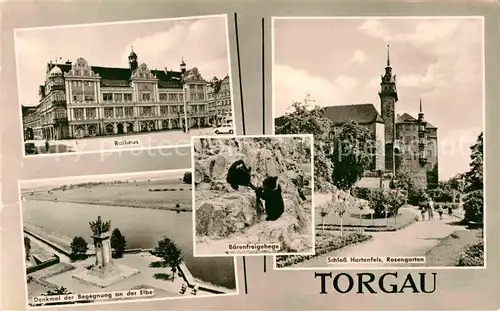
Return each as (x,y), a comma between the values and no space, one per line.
(162,194)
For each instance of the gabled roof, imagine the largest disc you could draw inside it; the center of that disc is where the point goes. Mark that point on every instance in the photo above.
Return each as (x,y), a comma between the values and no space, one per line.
(362,114)
(119,77)
(406,118)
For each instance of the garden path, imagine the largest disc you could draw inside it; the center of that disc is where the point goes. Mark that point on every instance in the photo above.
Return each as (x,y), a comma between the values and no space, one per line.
(414,240)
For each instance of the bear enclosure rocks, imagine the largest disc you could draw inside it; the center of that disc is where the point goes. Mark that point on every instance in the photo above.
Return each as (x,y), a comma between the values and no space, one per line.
(223,213)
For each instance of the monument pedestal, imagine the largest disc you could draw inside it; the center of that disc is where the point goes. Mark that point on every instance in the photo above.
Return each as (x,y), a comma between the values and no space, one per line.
(104,277)
(104,272)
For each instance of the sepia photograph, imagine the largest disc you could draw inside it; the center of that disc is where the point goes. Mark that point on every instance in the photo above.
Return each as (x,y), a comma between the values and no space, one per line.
(123,85)
(396,107)
(108,238)
(252,195)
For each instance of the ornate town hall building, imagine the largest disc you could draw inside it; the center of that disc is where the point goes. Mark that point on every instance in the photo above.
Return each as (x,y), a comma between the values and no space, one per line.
(78,100)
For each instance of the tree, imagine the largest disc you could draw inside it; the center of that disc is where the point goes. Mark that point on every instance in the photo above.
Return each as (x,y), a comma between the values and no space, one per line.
(27,247)
(324,210)
(118,242)
(473,206)
(304,121)
(340,205)
(433,178)
(187,179)
(474,202)
(352,154)
(474,178)
(396,200)
(170,253)
(79,248)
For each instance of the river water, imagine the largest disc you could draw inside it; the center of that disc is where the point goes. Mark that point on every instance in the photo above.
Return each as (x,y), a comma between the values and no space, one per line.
(141,227)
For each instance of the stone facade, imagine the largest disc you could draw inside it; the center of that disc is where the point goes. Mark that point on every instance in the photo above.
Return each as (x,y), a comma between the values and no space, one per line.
(78,100)
(219,101)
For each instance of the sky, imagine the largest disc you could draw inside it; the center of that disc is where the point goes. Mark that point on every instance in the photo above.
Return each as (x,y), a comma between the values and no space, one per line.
(159,44)
(56,182)
(340,62)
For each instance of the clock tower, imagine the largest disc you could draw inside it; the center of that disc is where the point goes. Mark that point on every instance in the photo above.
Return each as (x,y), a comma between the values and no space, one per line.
(388,97)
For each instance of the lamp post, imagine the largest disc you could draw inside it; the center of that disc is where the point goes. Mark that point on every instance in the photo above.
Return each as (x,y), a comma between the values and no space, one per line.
(184,94)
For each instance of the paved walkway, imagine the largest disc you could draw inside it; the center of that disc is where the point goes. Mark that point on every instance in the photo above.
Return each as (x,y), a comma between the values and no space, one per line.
(414,240)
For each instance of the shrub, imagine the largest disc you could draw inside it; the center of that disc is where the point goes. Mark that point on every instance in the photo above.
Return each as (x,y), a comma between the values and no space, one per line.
(118,242)
(79,248)
(361,192)
(417,196)
(187,179)
(472,256)
(473,206)
(384,201)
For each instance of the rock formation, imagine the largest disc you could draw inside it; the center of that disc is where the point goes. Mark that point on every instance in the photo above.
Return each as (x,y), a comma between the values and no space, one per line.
(223,213)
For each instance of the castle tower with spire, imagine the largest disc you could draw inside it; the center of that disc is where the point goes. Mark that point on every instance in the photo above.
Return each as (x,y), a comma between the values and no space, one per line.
(388,98)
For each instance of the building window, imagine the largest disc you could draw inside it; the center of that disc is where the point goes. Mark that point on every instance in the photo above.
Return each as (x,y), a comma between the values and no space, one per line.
(108,112)
(429,154)
(163,97)
(200,96)
(172,97)
(127,97)
(107,97)
(147,111)
(181,97)
(129,111)
(118,97)
(146,97)
(192,87)
(89,98)
(91,113)
(78,113)
(200,87)
(163,110)
(119,112)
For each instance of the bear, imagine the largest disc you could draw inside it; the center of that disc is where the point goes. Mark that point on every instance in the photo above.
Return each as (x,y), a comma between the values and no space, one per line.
(270,192)
(239,174)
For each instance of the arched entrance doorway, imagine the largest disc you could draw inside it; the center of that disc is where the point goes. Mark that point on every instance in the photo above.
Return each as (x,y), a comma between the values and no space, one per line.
(151,126)
(144,126)
(79,131)
(175,123)
(92,130)
(119,127)
(202,122)
(164,124)
(109,129)
(130,127)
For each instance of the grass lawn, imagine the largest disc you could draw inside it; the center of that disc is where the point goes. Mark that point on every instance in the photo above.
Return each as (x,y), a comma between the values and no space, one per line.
(447,252)
(353,220)
(155,194)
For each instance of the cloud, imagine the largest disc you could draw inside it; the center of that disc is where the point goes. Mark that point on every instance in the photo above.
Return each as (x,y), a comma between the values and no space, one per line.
(292,85)
(376,29)
(201,43)
(359,57)
(347,83)
(424,32)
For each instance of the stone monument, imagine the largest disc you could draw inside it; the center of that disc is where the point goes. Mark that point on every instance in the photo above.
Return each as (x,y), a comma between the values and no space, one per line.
(105,271)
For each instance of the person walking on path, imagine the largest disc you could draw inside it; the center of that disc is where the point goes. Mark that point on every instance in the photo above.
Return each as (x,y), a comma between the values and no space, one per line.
(422,211)
(440,212)
(430,208)
(450,211)
(47,145)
